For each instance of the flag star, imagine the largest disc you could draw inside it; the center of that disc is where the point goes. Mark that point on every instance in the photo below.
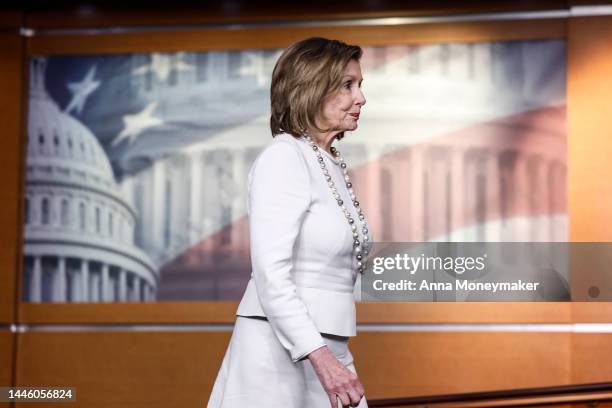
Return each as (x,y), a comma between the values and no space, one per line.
(81,90)
(161,65)
(137,123)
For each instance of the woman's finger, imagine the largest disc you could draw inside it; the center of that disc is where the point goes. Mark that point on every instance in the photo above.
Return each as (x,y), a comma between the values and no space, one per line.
(355,397)
(344,399)
(333,400)
(360,389)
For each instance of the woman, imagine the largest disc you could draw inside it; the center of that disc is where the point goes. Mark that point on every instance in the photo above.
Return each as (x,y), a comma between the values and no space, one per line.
(309,240)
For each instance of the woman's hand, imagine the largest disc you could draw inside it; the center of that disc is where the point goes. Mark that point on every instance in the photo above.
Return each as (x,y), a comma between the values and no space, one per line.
(337,380)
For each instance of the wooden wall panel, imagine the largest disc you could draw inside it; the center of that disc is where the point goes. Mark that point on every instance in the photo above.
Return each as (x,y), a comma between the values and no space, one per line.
(464,312)
(260,38)
(161,369)
(589,151)
(589,128)
(123,369)
(590,357)
(397,364)
(129,312)
(6,359)
(591,312)
(224,312)
(11,53)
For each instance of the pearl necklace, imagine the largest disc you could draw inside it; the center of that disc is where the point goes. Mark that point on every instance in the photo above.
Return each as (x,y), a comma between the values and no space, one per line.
(360,247)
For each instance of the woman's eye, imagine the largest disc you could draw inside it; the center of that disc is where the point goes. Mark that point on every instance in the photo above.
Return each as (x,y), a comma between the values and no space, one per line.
(347,85)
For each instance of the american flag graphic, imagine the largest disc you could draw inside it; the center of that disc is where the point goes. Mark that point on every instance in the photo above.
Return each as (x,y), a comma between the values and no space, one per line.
(457,142)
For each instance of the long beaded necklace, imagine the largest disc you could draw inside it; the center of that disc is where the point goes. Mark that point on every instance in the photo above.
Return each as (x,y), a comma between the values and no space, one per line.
(360,247)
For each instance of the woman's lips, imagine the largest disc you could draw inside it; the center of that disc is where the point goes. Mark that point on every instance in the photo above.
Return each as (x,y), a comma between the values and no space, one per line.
(355,115)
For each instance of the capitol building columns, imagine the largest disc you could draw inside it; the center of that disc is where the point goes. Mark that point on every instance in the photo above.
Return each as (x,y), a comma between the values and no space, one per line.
(122,285)
(135,290)
(59,280)
(521,196)
(417,183)
(74,281)
(493,200)
(71,281)
(84,280)
(457,187)
(36,281)
(158,199)
(195,205)
(106,289)
(94,288)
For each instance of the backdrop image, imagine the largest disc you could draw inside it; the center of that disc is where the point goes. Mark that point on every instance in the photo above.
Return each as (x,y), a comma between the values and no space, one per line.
(137,163)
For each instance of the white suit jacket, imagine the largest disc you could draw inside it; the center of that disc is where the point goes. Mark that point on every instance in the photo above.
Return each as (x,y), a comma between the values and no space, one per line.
(303,271)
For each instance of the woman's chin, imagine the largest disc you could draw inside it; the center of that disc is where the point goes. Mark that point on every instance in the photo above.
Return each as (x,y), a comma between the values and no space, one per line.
(351,127)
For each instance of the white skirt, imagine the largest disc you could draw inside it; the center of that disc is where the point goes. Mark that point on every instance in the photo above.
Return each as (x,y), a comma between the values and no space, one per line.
(257,371)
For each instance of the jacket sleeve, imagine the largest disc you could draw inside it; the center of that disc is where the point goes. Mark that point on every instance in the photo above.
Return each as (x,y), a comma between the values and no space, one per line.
(279,196)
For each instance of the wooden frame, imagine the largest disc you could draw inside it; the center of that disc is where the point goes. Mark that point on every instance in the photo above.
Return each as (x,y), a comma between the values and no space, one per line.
(11,54)
(261,38)
(214,39)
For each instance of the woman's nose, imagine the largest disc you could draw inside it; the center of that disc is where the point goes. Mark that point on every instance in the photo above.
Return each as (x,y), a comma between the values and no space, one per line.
(360,98)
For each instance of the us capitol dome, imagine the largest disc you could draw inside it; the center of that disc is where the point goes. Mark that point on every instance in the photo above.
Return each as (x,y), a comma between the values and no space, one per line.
(78,229)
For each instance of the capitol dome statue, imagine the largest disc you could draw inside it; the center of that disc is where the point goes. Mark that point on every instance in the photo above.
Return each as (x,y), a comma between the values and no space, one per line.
(79,230)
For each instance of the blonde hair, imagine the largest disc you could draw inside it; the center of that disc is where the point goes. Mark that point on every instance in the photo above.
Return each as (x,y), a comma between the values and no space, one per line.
(304,75)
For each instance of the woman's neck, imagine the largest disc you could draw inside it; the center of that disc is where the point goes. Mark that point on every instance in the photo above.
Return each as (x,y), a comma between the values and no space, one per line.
(323,140)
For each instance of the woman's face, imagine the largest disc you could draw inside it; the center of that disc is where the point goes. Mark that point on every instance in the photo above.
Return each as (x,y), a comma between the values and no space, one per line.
(341,111)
